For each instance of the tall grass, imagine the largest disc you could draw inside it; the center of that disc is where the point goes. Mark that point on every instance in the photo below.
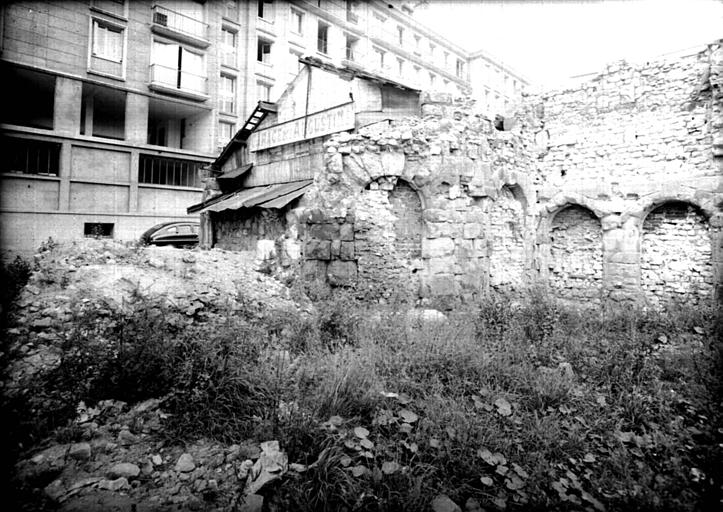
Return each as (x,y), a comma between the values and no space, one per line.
(522,405)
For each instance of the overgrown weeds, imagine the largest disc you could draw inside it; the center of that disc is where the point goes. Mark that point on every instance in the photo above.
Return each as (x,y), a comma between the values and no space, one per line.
(510,404)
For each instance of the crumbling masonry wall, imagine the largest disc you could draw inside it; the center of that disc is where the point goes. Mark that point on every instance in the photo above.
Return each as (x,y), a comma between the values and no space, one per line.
(580,195)
(584,192)
(676,254)
(637,146)
(576,260)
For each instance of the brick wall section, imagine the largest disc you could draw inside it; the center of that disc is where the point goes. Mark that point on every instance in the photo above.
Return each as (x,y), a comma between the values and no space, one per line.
(576,261)
(676,255)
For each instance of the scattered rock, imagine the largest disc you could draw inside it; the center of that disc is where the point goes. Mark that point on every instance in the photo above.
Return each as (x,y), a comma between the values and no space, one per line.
(80,451)
(127,438)
(185,463)
(251,503)
(472,505)
(443,503)
(157,460)
(114,485)
(124,469)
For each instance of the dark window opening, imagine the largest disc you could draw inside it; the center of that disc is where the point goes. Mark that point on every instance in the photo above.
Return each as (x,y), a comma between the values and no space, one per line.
(29,156)
(263,51)
(158,170)
(322,41)
(98,230)
(21,83)
(102,112)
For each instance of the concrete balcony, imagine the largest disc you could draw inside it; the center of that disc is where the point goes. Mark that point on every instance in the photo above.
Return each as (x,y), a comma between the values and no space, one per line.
(179,27)
(179,83)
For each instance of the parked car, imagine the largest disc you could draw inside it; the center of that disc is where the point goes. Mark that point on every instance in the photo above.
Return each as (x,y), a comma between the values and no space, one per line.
(176,234)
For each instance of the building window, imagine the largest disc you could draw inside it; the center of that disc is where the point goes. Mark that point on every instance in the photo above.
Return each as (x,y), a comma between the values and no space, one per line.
(227,96)
(98,230)
(351,11)
(228,47)
(115,7)
(400,35)
(432,80)
(178,67)
(297,21)
(322,38)
(266,9)
(263,51)
(379,58)
(102,112)
(263,91)
(460,68)
(446,60)
(432,50)
(27,156)
(350,46)
(225,132)
(400,65)
(24,83)
(107,41)
(160,170)
(231,9)
(417,42)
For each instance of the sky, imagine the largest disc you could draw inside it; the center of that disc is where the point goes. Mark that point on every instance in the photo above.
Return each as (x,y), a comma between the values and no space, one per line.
(551,40)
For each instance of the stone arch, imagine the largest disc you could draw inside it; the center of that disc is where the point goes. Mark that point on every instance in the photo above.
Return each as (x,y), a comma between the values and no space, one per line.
(676,260)
(507,236)
(389,231)
(576,256)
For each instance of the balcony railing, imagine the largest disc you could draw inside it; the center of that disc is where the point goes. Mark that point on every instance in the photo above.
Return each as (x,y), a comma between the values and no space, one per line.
(175,24)
(175,81)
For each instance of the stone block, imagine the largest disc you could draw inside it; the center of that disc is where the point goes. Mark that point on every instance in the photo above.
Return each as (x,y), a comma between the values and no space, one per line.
(346,232)
(442,229)
(342,273)
(347,251)
(335,248)
(317,250)
(441,265)
(324,231)
(471,230)
(436,97)
(443,284)
(313,270)
(437,247)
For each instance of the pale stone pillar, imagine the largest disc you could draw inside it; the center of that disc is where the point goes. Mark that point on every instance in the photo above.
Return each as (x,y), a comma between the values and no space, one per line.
(66,110)
(621,256)
(136,118)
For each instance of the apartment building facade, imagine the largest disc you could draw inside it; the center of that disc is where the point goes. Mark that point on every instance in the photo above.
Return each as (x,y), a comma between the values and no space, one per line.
(382,37)
(115,106)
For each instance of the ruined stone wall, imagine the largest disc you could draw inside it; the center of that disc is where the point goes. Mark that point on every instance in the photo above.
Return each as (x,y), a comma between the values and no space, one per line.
(676,254)
(632,139)
(241,230)
(581,192)
(576,260)
(429,199)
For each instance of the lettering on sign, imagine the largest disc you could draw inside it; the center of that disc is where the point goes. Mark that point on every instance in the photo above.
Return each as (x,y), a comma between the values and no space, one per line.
(327,121)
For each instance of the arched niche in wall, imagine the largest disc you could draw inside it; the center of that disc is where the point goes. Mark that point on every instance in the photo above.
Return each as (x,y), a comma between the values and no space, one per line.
(506,231)
(676,254)
(576,258)
(389,229)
